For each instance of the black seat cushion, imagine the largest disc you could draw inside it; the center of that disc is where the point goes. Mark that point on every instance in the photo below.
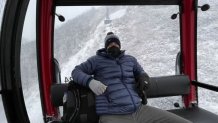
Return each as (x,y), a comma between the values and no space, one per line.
(196,115)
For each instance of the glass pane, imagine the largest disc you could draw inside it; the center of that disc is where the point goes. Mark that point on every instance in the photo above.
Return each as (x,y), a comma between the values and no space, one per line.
(208,100)
(29,74)
(207,53)
(2,112)
(207,43)
(2,7)
(152,38)
(146,32)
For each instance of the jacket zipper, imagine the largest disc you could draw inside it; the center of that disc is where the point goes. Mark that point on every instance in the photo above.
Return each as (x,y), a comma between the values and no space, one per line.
(124,84)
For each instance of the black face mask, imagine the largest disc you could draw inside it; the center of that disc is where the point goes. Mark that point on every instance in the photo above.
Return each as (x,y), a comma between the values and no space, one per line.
(114,51)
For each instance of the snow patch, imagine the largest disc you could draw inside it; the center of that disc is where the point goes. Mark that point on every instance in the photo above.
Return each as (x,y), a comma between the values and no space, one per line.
(118,14)
(87,51)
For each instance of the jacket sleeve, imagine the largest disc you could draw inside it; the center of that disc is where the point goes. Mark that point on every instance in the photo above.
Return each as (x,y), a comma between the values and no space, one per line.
(138,71)
(82,74)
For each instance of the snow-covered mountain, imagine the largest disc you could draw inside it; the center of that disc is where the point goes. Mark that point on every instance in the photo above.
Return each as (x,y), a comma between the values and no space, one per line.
(146,32)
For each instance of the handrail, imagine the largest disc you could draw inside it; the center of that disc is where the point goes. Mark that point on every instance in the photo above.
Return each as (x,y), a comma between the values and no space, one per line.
(206,86)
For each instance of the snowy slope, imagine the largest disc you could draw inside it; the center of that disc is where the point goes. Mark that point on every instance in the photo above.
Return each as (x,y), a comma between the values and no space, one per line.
(89,49)
(85,52)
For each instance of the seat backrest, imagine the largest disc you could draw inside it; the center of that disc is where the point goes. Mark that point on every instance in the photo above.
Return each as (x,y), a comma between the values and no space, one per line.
(159,87)
(168,86)
(57,93)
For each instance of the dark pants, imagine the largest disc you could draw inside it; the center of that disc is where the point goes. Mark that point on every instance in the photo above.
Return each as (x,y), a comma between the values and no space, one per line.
(145,114)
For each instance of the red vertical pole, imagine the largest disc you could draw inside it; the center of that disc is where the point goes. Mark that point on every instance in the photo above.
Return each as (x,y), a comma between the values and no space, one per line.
(189,50)
(45,33)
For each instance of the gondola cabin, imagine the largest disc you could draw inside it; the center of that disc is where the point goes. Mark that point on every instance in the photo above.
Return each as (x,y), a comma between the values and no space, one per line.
(52,88)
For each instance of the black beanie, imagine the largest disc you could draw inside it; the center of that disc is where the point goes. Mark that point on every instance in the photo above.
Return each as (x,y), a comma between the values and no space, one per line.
(111,37)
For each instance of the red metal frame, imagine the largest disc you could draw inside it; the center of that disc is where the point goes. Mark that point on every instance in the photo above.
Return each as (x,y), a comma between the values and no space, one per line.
(46,54)
(189,31)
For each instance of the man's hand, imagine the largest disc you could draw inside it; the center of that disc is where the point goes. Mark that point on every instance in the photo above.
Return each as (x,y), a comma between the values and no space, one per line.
(97,87)
(142,87)
(142,84)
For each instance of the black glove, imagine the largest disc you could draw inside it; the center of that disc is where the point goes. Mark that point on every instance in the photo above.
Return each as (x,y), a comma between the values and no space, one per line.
(143,96)
(142,84)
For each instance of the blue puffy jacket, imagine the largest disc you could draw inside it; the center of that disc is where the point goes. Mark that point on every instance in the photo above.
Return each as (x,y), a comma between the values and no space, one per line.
(118,74)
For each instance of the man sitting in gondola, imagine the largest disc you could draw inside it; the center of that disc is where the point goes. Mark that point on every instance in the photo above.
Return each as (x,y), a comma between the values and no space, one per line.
(119,83)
